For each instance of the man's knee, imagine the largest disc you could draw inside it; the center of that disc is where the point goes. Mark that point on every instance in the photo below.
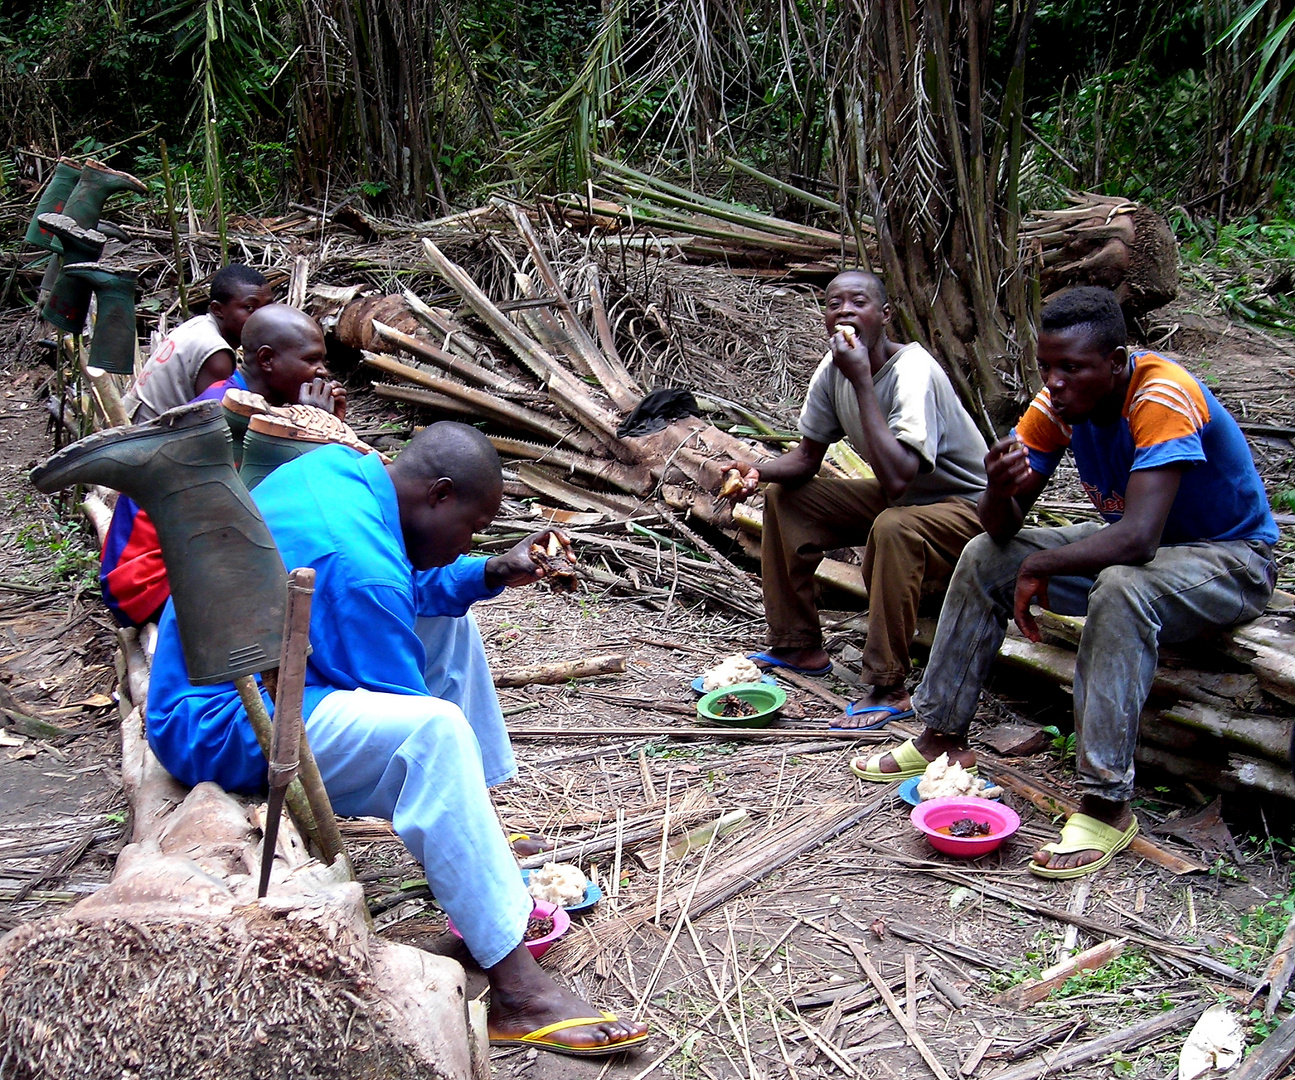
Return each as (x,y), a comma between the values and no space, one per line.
(893,529)
(1118,590)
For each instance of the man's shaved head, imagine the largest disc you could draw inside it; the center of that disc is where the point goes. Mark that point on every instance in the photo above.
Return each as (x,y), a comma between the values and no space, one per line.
(874,283)
(456,451)
(278,325)
(448,485)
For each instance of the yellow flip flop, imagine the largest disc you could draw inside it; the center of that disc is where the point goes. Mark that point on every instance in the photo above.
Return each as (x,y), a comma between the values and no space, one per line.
(907,756)
(540,1038)
(1084,833)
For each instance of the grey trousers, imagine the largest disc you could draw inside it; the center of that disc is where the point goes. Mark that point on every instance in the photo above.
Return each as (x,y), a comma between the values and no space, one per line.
(1185,591)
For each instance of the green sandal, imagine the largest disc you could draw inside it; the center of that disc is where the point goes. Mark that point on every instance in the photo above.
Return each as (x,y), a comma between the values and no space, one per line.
(1084,833)
(907,756)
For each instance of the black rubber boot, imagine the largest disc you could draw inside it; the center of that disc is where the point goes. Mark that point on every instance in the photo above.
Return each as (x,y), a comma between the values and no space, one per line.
(113,345)
(267,445)
(96,183)
(69,300)
(66,174)
(227,578)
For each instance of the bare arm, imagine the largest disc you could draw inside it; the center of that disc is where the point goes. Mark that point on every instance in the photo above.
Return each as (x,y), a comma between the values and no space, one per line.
(1131,541)
(795,467)
(894,463)
(219,365)
(1011,489)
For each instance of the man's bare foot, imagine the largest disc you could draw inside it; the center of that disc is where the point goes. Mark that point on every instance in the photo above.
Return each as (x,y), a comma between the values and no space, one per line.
(894,697)
(810,659)
(523,998)
(1115,814)
(525,846)
(931,744)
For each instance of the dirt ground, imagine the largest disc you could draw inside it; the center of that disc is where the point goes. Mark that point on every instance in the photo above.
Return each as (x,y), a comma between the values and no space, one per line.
(774,980)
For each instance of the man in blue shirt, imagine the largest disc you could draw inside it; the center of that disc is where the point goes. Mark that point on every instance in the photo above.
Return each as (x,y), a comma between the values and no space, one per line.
(401,709)
(1185,548)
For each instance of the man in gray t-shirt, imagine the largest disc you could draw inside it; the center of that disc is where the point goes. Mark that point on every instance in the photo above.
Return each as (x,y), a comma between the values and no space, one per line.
(899,410)
(201,351)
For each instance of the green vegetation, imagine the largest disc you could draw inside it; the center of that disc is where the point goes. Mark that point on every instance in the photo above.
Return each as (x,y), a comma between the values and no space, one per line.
(1258,931)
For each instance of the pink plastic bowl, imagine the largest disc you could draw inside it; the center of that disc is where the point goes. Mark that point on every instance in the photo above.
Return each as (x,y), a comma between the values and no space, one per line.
(538,947)
(935,814)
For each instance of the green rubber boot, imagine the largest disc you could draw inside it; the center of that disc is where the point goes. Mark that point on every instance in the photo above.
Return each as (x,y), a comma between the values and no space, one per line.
(66,174)
(227,578)
(113,345)
(269,443)
(96,183)
(68,302)
(240,406)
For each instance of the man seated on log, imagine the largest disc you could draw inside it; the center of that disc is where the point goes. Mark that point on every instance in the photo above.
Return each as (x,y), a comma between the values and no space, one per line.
(284,362)
(899,410)
(201,351)
(400,707)
(1186,548)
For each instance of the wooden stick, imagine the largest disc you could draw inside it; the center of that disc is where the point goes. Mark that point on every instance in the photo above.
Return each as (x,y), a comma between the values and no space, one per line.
(564,388)
(1129,1038)
(487,405)
(106,395)
(175,229)
(298,804)
(1270,1057)
(1198,959)
(910,986)
(307,800)
(1061,1033)
(1051,801)
(619,386)
(972,1062)
(864,961)
(560,672)
(1277,975)
(696,732)
(467,370)
(1034,990)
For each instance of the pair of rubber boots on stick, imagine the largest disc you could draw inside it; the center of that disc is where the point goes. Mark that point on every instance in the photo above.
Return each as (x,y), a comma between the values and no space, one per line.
(227,578)
(66,223)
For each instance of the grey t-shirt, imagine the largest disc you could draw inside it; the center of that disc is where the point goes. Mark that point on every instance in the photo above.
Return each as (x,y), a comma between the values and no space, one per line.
(921,408)
(169,377)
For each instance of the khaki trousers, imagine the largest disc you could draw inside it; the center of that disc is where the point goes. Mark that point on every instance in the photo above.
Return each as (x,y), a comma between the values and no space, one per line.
(906,545)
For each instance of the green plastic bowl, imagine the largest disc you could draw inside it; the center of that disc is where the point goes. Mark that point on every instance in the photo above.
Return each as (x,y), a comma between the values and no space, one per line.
(767,700)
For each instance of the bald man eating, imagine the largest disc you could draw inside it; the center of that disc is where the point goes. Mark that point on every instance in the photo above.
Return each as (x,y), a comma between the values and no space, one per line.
(400,706)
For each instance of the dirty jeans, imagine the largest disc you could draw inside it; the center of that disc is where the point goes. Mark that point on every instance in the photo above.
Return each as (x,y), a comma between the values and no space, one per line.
(1185,591)
(424,763)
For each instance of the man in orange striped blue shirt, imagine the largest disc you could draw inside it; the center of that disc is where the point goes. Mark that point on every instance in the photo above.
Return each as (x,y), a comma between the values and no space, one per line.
(1185,547)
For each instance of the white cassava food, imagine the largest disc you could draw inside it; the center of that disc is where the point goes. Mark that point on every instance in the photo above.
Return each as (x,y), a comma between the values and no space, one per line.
(729,672)
(944,780)
(559,883)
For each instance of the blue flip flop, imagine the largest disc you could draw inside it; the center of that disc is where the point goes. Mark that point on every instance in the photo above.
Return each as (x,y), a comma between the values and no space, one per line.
(886,712)
(774,662)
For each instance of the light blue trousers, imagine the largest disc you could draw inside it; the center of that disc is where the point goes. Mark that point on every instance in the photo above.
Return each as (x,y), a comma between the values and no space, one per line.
(1185,591)
(425,763)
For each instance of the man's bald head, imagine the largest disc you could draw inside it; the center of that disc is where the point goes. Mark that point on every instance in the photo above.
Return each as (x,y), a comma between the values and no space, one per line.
(279,326)
(456,451)
(448,485)
(283,351)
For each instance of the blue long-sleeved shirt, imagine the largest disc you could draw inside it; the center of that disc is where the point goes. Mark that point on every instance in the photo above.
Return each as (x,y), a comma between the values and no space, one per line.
(335,510)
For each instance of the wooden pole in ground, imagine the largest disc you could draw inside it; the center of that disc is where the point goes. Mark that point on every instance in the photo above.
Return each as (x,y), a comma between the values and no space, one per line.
(288,733)
(175,230)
